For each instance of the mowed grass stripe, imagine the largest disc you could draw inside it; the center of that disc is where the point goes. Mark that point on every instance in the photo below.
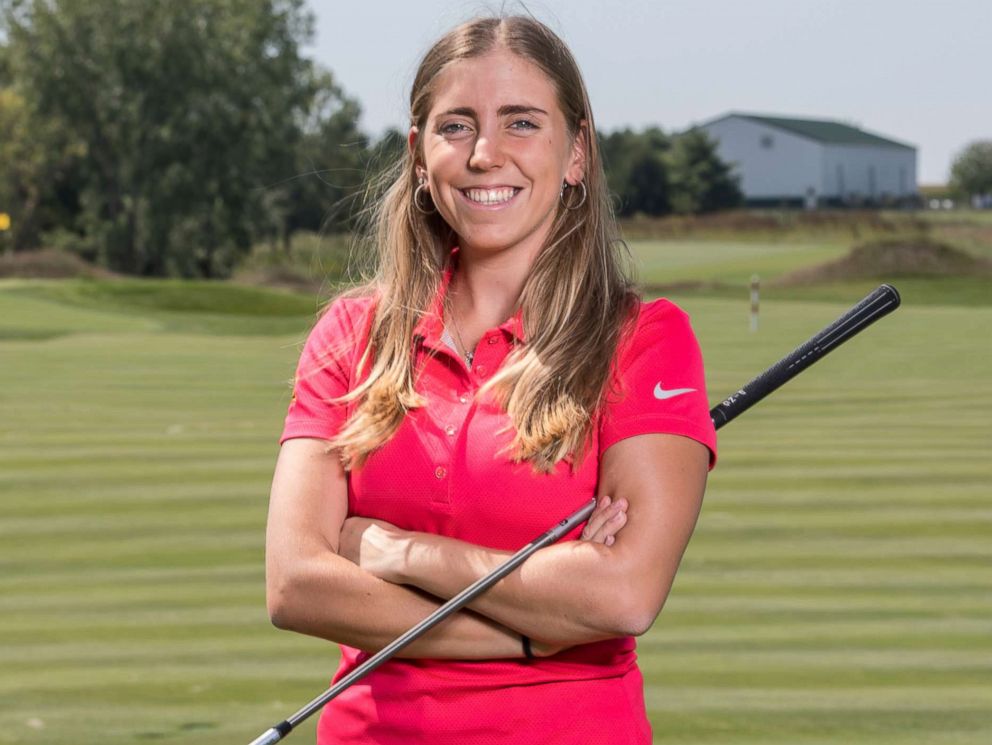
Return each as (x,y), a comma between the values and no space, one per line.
(832,592)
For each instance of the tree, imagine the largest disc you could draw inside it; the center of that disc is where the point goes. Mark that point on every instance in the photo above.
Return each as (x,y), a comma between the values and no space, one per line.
(36,175)
(330,165)
(971,173)
(636,170)
(185,112)
(700,181)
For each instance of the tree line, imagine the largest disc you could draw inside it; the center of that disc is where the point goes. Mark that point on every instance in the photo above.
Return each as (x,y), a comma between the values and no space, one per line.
(166,139)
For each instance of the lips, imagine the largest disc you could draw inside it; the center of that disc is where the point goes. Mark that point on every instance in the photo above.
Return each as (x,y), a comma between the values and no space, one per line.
(490,196)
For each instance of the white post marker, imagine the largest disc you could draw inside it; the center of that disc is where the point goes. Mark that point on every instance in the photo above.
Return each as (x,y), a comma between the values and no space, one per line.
(755,287)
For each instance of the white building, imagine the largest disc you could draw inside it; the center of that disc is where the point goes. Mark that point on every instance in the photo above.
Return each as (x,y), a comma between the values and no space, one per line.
(813,162)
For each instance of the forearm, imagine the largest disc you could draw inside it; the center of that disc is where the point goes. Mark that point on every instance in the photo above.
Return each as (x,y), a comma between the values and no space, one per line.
(580,591)
(570,593)
(329,597)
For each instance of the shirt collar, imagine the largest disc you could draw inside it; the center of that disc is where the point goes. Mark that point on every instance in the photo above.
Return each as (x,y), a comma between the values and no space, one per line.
(431,324)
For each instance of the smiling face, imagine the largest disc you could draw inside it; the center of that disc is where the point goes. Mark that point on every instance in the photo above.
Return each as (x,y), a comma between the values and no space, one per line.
(495,151)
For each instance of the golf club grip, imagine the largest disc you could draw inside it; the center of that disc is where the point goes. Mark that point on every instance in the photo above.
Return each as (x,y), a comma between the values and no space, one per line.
(879,303)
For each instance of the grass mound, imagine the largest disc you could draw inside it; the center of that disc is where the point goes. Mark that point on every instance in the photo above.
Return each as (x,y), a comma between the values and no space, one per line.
(48,263)
(284,277)
(891,259)
(778,224)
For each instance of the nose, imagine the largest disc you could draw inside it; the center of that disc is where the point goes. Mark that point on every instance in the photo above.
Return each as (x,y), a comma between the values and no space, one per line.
(487,153)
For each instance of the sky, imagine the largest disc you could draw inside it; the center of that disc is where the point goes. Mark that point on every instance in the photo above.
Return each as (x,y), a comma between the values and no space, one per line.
(917,73)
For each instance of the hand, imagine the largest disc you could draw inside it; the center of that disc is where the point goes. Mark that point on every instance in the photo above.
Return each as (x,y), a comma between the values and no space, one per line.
(605,521)
(376,546)
(542,649)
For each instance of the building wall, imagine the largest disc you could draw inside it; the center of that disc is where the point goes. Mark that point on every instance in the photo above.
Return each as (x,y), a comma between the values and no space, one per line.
(855,172)
(773,164)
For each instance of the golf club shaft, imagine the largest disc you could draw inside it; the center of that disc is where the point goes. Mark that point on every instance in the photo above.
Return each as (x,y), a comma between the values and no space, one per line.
(879,303)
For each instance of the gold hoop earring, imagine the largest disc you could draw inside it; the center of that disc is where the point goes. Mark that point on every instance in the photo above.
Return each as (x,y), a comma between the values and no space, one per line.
(582,200)
(422,189)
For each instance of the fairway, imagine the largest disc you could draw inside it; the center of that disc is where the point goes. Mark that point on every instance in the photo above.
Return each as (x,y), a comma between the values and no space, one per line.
(837,589)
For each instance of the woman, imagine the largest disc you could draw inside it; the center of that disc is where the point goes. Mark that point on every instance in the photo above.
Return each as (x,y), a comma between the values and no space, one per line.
(497,374)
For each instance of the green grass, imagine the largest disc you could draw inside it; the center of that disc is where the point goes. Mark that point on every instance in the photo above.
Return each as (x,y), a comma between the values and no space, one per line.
(836,590)
(729,262)
(49,308)
(726,268)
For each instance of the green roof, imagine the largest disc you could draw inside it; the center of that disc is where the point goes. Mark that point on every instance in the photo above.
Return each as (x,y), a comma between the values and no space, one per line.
(825,131)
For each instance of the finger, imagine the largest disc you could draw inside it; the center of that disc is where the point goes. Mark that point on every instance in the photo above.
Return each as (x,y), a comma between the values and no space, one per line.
(599,528)
(610,527)
(597,518)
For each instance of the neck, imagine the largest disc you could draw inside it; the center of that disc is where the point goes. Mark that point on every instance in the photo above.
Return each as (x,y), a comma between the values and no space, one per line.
(485,291)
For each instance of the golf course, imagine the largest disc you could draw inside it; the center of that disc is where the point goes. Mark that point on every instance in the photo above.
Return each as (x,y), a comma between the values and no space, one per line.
(838,588)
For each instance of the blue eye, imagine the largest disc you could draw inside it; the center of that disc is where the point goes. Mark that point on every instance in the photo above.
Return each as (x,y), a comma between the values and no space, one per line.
(453,128)
(524,124)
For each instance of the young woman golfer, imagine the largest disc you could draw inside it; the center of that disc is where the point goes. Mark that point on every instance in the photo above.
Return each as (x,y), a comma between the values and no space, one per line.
(498,373)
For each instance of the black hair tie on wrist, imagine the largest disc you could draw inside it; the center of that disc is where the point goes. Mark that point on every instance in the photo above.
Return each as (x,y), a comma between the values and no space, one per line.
(528,652)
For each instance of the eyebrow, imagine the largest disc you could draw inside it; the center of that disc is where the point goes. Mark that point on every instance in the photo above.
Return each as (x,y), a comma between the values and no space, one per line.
(508,110)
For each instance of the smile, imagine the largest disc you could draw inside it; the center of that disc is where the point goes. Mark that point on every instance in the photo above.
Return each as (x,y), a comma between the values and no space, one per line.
(490,197)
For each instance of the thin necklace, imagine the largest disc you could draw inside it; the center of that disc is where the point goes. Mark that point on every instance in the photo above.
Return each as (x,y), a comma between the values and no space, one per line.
(458,334)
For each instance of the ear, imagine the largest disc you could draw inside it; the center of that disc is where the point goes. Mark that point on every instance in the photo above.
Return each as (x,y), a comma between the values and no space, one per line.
(412,144)
(579,155)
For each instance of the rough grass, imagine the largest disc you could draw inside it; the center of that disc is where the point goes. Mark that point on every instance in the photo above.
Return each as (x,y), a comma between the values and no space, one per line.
(48,263)
(836,590)
(780,225)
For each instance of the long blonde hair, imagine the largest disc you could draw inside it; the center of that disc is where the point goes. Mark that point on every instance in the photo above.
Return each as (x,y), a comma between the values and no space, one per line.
(552,385)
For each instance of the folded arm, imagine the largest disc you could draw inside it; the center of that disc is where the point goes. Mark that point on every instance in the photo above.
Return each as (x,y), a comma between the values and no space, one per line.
(313,590)
(577,591)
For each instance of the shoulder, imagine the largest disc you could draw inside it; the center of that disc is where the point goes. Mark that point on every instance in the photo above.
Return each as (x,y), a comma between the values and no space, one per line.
(344,319)
(655,322)
(352,310)
(659,383)
(658,346)
(340,333)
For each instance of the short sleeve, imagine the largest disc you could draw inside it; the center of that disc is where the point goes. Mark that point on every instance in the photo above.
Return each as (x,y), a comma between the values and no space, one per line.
(326,370)
(659,384)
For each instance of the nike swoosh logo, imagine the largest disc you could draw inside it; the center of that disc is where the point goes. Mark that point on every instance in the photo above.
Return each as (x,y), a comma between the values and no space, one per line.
(661,394)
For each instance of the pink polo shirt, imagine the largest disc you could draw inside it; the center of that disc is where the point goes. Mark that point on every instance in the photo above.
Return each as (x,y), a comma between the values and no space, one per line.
(442,472)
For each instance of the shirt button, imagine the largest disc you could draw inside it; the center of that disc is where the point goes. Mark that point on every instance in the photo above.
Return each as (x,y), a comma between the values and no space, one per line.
(480,369)
(463,398)
(440,472)
(450,430)
(493,340)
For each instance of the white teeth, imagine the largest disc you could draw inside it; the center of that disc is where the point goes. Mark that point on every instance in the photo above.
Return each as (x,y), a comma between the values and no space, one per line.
(490,196)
